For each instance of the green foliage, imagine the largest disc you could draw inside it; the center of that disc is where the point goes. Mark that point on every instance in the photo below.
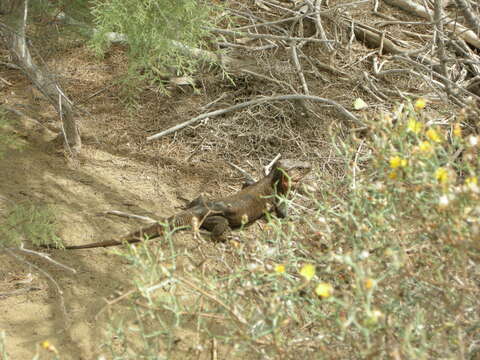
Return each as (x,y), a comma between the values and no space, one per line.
(151,27)
(29,222)
(387,267)
(9,140)
(409,227)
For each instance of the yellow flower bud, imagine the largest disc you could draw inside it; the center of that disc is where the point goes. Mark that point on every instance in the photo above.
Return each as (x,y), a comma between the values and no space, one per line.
(397,162)
(441,174)
(472,180)
(457,130)
(420,104)
(433,135)
(414,125)
(425,147)
(324,290)
(393,175)
(308,271)
(368,283)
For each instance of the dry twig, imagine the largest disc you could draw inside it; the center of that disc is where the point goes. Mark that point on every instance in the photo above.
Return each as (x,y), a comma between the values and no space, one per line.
(130,216)
(339,107)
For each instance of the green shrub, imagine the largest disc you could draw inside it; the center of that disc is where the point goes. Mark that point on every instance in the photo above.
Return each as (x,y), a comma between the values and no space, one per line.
(29,222)
(386,267)
(152,27)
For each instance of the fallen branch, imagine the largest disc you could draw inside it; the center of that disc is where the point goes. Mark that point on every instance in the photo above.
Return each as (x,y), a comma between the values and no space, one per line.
(45,83)
(269,36)
(466,34)
(231,64)
(31,122)
(441,77)
(12,254)
(467,11)
(339,107)
(46,257)
(245,173)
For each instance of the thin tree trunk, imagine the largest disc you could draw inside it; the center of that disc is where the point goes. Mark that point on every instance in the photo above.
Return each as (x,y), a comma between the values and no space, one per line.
(16,11)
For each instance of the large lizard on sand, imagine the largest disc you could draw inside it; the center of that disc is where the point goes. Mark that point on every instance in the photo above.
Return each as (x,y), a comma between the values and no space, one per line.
(219,216)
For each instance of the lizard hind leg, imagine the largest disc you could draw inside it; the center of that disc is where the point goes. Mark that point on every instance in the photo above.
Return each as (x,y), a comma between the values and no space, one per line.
(218,226)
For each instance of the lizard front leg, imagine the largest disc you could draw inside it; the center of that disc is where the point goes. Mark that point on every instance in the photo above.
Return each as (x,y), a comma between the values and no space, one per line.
(281,208)
(218,226)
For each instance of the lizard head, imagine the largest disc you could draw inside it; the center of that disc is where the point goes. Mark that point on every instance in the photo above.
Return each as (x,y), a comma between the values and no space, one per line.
(289,172)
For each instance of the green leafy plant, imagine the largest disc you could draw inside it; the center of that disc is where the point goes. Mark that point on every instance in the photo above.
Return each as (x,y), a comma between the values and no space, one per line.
(29,222)
(156,31)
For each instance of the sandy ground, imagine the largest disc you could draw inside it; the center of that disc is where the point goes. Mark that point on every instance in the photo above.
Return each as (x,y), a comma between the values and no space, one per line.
(113,172)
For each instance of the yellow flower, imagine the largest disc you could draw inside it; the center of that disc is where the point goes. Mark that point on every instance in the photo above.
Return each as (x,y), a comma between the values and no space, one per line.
(49,347)
(433,135)
(368,283)
(472,180)
(457,130)
(425,147)
(441,174)
(308,271)
(280,268)
(324,290)
(420,104)
(471,183)
(414,125)
(397,162)
(392,175)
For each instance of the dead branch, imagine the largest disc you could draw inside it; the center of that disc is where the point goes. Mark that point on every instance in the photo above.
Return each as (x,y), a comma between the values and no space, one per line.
(318,23)
(231,64)
(439,37)
(466,34)
(298,67)
(444,79)
(467,12)
(129,216)
(12,254)
(245,173)
(347,114)
(268,36)
(268,167)
(43,82)
(46,257)
(31,122)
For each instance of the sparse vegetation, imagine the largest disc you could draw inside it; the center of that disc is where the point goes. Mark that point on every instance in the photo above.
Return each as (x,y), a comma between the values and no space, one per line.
(29,222)
(380,257)
(386,270)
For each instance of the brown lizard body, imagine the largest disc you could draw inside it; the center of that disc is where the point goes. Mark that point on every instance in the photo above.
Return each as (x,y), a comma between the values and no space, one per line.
(220,215)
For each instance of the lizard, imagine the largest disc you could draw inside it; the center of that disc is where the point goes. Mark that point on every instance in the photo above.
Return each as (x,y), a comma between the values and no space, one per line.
(219,216)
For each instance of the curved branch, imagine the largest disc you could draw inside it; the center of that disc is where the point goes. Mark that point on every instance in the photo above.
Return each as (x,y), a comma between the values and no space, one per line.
(339,107)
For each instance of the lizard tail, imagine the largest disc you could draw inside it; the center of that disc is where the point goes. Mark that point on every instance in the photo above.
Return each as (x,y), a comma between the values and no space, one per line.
(150,232)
